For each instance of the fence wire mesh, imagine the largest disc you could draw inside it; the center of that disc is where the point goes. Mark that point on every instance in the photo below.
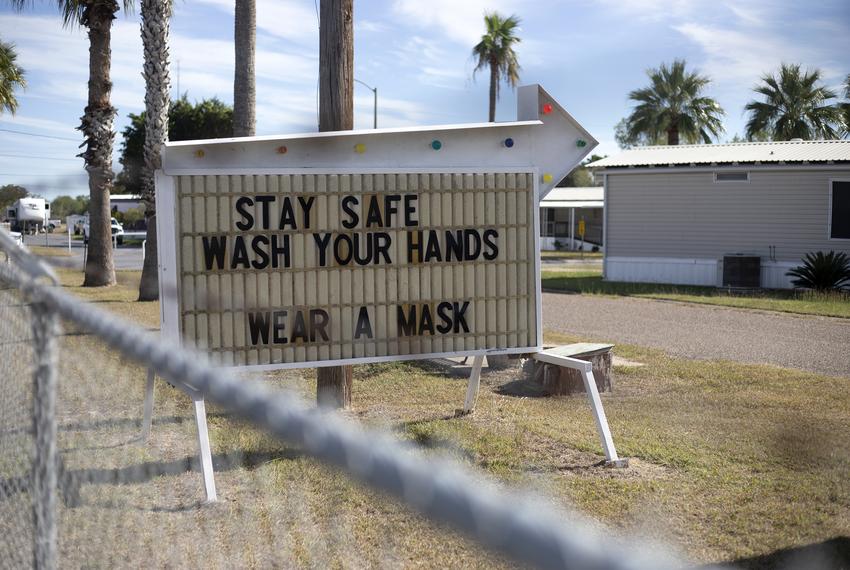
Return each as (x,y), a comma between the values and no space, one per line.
(17,443)
(291,479)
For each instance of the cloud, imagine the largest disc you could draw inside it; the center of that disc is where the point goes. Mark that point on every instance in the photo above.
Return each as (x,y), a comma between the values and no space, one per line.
(285,19)
(740,57)
(459,21)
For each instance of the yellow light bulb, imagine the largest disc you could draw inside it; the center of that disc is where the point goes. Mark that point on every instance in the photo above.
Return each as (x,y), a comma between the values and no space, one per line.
(547,178)
(199,153)
(360,148)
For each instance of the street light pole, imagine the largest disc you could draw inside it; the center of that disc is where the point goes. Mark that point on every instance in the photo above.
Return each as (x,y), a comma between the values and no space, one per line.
(374,91)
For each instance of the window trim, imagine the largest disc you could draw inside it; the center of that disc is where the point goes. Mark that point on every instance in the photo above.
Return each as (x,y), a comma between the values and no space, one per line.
(716,181)
(830,192)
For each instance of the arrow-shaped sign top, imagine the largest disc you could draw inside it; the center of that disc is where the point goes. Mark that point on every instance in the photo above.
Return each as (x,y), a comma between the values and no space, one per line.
(544,136)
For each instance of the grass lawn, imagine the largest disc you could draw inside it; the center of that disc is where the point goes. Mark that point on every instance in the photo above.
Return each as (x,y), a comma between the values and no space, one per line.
(589,282)
(571,255)
(727,460)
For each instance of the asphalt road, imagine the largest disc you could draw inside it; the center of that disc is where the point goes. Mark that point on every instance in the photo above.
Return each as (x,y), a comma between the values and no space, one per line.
(817,344)
(126,256)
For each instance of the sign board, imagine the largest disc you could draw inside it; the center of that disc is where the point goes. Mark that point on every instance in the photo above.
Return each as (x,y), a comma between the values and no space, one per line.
(581,228)
(361,246)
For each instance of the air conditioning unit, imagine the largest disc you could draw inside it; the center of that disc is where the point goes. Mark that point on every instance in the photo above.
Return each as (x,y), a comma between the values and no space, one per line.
(741,270)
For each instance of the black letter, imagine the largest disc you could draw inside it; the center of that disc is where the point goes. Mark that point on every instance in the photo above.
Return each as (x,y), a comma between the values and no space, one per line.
(351,213)
(460,320)
(406,323)
(491,243)
(306,205)
(454,244)
(265,201)
(277,250)
(363,324)
(382,247)
(278,326)
(414,245)
(240,254)
(410,209)
(322,244)
(442,312)
(214,247)
(262,254)
(258,324)
(318,321)
(246,215)
(476,251)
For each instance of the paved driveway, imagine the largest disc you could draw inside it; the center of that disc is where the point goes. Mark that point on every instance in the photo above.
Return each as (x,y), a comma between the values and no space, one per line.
(818,344)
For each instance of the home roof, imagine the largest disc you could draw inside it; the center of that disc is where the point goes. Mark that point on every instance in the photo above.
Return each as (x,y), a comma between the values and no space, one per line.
(793,152)
(578,197)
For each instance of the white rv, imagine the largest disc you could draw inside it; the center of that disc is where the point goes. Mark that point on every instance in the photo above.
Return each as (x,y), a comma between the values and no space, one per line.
(29,215)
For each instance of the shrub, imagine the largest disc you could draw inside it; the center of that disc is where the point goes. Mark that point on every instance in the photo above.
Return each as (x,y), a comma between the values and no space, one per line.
(558,245)
(822,272)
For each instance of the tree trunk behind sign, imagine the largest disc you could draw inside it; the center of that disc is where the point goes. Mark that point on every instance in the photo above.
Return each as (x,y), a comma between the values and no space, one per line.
(244,82)
(336,113)
(155,22)
(97,129)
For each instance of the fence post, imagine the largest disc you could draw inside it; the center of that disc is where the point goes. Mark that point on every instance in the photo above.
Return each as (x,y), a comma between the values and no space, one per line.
(44,466)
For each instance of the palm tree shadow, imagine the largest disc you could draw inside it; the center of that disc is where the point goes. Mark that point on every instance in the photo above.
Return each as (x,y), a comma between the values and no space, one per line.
(832,554)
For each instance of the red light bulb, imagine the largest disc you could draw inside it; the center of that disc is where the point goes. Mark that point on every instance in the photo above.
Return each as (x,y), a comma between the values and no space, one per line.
(547,108)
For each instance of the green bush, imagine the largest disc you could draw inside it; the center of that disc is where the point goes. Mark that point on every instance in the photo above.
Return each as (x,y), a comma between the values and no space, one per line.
(822,272)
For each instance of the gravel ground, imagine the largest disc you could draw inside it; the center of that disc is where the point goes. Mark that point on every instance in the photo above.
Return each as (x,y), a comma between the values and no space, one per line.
(817,344)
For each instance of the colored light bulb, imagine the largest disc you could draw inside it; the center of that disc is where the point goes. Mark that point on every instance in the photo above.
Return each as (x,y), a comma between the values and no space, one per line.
(360,148)
(436,145)
(281,149)
(508,142)
(547,108)
(581,143)
(547,178)
(199,153)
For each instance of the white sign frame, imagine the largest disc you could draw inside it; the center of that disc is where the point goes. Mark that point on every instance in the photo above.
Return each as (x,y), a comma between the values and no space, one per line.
(166,202)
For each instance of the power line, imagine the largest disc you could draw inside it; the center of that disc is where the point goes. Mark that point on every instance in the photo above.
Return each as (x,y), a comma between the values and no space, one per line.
(56,175)
(39,157)
(40,136)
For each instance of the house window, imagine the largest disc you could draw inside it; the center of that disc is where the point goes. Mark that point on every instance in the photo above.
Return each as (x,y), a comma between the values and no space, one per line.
(839,221)
(731,176)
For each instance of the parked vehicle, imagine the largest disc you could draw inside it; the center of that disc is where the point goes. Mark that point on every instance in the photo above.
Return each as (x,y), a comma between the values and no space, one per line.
(117,231)
(29,215)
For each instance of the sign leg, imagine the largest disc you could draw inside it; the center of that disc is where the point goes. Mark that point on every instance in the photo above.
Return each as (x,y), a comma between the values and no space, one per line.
(204,445)
(147,418)
(599,416)
(474,383)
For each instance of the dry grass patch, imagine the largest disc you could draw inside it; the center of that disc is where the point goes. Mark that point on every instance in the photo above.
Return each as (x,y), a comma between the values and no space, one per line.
(727,460)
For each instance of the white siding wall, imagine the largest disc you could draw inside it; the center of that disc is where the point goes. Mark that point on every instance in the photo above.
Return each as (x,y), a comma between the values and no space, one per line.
(674,227)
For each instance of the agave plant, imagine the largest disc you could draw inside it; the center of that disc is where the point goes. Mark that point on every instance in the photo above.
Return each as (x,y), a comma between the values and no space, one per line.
(822,272)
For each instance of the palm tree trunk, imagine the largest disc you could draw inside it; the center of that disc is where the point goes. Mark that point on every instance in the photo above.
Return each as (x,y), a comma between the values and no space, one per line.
(155,20)
(97,129)
(494,89)
(673,136)
(336,113)
(244,87)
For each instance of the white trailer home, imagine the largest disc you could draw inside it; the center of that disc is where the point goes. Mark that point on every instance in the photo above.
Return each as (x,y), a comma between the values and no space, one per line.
(738,214)
(28,215)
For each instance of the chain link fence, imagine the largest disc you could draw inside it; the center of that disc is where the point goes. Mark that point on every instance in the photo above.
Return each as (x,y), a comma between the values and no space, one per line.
(81,486)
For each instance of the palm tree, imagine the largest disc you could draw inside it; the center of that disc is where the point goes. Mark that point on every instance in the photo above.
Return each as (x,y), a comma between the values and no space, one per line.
(674,105)
(96,127)
(244,87)
(155,22)
(794,106)
(496,49)
(11,76)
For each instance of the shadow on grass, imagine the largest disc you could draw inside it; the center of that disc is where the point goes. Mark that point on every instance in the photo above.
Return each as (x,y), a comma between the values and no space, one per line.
(71,480)
(832,554)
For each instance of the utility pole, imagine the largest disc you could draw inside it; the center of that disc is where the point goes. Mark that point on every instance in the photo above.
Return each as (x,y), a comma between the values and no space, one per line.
(336,113)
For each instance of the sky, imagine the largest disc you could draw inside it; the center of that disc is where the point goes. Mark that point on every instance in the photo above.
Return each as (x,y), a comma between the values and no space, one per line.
(587,53)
